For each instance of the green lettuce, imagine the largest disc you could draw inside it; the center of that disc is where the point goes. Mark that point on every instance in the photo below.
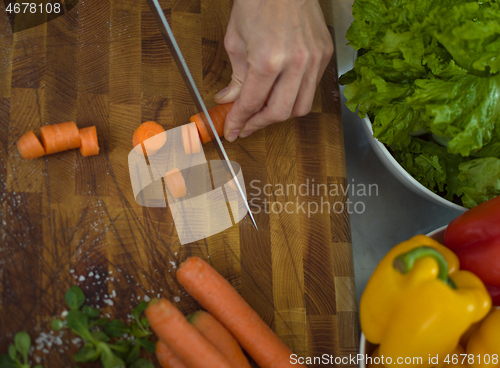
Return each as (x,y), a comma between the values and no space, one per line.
(432,66)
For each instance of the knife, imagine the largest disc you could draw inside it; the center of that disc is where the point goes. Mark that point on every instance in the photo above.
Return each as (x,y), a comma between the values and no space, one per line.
(193,90)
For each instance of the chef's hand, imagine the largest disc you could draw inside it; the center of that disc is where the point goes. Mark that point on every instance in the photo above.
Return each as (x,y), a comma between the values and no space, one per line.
(279,50)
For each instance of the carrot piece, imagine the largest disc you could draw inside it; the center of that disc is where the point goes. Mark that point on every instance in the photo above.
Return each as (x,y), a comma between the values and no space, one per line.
(219,337)
(218,114)
(195,139)
(221,300)
(182,338)
(166,356)
(145,131)
(186,141)
(60,137)
(29,146)
(231,182)
(190,139)
(90,144)
(175,183)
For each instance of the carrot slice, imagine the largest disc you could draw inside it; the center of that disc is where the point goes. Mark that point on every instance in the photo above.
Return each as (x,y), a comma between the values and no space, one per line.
(166,356)
(195,139)
(186,141)
(90,144)
(218,114)
(145,131)
(29,146)
(182,338)
(190,139)
(221,300)
(219,337)
(60,137)
(175,183)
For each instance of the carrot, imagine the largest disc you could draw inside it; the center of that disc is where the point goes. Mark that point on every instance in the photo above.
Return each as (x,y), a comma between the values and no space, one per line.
(218,114)
(182,338)
(29,146)
(175,183)
(194,138)
(190,139)
(166,357)
(186,140)
(219,337)
(145,131)
(60,137)
(219,298)
(231,182)
(90,144)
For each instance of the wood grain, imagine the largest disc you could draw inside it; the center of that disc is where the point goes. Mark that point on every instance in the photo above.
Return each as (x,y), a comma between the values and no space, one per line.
(67,220)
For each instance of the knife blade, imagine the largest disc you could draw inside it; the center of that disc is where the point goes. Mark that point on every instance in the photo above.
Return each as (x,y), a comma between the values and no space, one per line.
(176,53)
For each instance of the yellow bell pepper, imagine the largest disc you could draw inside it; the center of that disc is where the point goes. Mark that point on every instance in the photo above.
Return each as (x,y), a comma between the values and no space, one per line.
(417,303)
(484,344)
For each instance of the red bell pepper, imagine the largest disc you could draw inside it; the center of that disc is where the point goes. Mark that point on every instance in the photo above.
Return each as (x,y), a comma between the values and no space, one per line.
(475,238)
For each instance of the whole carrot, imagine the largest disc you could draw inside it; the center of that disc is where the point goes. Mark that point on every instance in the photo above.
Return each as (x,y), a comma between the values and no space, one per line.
(219,298)
(182,338)
(166,357)
(219,337)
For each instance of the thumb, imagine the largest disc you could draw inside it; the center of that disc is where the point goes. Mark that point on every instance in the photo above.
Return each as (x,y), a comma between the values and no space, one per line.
(230,93)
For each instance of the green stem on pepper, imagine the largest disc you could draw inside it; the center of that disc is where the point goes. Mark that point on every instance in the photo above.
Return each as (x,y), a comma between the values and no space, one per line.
(405,262)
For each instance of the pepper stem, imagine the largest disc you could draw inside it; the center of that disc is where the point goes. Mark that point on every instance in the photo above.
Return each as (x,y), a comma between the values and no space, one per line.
(405,262)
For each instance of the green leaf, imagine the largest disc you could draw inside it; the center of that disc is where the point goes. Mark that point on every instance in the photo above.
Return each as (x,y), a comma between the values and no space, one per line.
(7,362)
(133,355)
(148,345)
(116,328)
(91,311)
(100,336)
(137,311)
(57,324)
(121,348)
(74,297)
(145,322)
(99,322)
(87,354)
(38,366)
(23,343)
(13,352)
(108,358)
(79,323)
(142,363)
(137,332)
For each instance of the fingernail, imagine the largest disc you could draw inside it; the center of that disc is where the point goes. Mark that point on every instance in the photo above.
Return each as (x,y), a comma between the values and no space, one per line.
(233,134)
(245,134)
(221,93)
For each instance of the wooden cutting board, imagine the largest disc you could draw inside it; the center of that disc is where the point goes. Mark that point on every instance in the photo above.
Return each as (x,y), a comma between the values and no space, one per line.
(68,220)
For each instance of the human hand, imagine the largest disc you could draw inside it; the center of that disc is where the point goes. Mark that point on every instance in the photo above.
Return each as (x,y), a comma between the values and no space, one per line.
(279,50)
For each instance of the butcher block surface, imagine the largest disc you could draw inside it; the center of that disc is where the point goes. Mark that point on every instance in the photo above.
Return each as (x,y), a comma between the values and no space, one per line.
(71,220)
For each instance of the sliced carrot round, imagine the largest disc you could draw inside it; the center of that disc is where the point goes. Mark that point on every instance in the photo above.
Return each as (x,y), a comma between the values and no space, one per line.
(145,132)
(202,128)
(186,141)
(190,139)
(175,183)
(29,146)
(60,137)
(195,139)
(90,144)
